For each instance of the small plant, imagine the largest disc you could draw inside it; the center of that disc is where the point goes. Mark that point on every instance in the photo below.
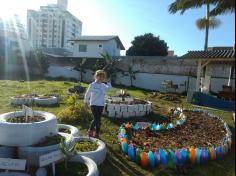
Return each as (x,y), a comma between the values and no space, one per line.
(68,149)
(86,146)
(75,112)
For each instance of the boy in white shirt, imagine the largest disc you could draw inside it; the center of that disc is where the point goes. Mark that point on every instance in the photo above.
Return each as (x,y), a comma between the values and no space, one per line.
(95,99)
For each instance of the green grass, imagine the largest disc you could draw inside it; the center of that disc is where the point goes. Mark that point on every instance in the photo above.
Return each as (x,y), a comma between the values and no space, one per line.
(116,163)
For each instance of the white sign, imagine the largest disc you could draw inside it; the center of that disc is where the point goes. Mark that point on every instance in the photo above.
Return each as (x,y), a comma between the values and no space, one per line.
(12,164)
(50,158)
(27,111)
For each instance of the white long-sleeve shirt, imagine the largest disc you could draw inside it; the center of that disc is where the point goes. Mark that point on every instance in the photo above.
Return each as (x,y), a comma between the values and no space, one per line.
(95,94)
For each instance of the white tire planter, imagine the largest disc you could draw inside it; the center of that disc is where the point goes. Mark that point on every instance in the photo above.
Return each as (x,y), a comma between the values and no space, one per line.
(73,130)
(7,152)
(98,156)
(91,165)
(26,134)
(32,154)
(22,101)
(46,101)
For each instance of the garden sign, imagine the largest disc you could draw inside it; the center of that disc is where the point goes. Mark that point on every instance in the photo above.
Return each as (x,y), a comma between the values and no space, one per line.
(50,158)
(27,111)
(12,164)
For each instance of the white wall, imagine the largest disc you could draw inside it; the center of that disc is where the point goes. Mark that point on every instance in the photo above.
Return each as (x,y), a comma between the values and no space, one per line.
(66,72)
(143,80)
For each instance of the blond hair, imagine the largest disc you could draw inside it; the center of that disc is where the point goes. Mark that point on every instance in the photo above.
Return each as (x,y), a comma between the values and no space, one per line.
(100,73)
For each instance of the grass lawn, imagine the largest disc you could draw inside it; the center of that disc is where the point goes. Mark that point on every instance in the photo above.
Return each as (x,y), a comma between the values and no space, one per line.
(116,164)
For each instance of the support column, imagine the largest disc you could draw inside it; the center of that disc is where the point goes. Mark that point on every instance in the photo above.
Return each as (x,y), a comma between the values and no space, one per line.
(230,75)
(199,69)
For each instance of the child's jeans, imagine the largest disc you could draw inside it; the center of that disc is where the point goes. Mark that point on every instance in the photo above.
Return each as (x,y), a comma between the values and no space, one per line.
(97,114)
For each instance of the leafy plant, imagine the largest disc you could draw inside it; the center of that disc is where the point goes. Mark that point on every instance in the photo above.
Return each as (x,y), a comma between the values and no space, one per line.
(68,149)
(110,67)
(75,112)
(86,146)
(131,73)
(80,66)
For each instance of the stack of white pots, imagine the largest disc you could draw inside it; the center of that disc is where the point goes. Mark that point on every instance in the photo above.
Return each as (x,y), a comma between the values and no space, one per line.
(127,110)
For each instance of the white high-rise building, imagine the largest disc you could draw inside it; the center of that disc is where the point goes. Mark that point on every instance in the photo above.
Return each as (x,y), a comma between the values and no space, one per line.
(52,26)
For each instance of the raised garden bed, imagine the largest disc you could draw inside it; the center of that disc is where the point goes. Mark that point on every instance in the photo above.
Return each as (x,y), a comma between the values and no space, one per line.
(32,153)
(74,169)
(67,130)
(117,107)
(201,138)
(46,100)
(27,133)
(97,151)
(27,99)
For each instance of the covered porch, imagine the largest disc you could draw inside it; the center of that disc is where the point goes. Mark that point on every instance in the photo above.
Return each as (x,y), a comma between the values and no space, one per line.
(205,61)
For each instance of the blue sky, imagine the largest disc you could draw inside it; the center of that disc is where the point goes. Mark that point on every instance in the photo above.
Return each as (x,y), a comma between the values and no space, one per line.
(129,18)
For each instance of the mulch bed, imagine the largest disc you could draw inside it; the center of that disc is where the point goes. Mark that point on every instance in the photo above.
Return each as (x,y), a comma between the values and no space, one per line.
(198,131)
(22,119)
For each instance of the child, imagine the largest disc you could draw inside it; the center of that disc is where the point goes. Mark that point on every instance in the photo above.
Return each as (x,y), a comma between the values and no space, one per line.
(95,98)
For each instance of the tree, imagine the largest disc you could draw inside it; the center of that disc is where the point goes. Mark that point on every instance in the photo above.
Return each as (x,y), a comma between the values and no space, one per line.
(38,60)
(148,45)
(80,66)
(131,73)
(110,67)
(220,7)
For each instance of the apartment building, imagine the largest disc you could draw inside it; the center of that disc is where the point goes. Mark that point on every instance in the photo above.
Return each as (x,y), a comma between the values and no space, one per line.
(52,26)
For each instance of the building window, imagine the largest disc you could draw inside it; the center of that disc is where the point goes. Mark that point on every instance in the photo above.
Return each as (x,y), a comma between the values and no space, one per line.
(100,46)
(82,48)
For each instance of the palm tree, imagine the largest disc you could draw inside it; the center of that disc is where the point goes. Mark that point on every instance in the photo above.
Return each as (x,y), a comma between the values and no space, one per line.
(80,66)
(220,6)
(110,66)
(132,74)
(204,23)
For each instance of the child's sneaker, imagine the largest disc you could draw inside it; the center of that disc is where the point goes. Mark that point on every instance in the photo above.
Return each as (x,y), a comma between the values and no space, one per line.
(96,135)
(90,133)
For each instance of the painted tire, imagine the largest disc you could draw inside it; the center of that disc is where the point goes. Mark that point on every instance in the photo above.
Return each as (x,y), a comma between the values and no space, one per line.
(92,166)
(73,130)
(98,155)
(7,152)
(13,174)
(21,101)
(32,154)
(46,101)
(26,134)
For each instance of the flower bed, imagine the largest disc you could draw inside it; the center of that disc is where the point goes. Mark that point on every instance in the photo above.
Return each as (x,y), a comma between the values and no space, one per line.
(195,137)
(118,107)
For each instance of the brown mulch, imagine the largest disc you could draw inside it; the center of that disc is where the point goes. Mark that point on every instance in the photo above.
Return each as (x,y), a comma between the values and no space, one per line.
(198,131)
(22,119)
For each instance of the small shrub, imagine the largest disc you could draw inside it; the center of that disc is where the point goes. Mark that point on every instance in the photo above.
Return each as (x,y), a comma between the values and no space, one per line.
(75,114)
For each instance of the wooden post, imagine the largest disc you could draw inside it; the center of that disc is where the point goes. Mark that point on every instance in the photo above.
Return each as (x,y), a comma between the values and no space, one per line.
(199,69)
